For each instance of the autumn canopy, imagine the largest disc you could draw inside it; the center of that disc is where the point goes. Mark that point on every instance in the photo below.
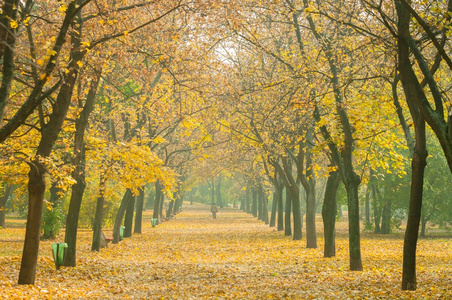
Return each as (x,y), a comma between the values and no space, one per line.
(329,121)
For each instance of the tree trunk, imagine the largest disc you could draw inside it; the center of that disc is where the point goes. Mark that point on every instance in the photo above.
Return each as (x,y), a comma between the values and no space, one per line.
(423,225)
(36,189)
(7,192)
(99,214)
(158,203)
(352,182)
(329,212)
(219,198)
(280,208)
(254,207)
(260,203)
(248,199)
(293,189)
(162,201)
(311,235)
(158,192)
(178,203)
(139,212)
(264,206)
(287,213)
(377,208)
(120,215)
(297,221)
(414,214)
(78,189)
(307,178)
(128,219)
(367,224)
(170,208)
(414,96)
(78,174)
(274,207)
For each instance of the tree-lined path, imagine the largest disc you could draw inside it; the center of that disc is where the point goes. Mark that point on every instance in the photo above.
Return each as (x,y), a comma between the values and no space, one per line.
(233,257)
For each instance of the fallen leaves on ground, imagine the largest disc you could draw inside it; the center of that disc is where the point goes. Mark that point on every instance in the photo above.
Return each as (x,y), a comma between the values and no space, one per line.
(233,257)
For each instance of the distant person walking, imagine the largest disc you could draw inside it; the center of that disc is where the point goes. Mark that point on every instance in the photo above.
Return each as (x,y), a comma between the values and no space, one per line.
(214,210)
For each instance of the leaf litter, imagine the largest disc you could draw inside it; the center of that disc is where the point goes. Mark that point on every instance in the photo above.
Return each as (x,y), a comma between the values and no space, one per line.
(234,257)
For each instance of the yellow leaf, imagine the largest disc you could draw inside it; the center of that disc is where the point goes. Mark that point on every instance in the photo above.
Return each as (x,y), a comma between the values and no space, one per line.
(51,52)
(159,140)
(62,8)
(13,24)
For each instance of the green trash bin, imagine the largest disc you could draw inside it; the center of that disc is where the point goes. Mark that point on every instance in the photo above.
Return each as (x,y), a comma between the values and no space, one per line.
(58,253)
(154,222)
(121,232)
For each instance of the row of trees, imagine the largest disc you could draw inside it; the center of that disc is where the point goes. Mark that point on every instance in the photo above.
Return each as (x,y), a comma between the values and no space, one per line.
(108,98)
(316,88)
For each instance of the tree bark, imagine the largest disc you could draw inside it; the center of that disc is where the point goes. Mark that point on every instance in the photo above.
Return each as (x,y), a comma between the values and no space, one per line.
(99,214)
(170,208)
(158,196)
(280,208)
(128,219)
(295,195)
(418,165)
(7,192)
(307,178)
(274,207)
(264,205)
(36,189)
(254,207)
(248,199)
(311,235)
(260,203)
(178,203)
(139,212)
(329,212)
(367,224)
(120,215)
(287,213)
(415,98)
(352,182)
(423,226)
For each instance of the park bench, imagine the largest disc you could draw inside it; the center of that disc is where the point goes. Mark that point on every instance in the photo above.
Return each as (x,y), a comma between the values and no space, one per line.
(104,240)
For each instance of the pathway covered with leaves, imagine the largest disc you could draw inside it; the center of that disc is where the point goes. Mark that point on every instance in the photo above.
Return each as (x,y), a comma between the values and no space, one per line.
(233,257)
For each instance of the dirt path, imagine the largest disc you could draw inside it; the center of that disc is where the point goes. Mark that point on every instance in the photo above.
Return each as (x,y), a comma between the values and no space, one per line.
(233,257)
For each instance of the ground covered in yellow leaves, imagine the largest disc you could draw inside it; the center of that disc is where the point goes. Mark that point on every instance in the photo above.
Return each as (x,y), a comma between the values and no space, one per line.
(233,257)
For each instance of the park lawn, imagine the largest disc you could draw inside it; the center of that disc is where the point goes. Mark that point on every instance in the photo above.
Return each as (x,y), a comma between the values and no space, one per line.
(233,257)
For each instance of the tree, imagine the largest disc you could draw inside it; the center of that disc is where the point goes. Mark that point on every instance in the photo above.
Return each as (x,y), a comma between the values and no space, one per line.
(7,192)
